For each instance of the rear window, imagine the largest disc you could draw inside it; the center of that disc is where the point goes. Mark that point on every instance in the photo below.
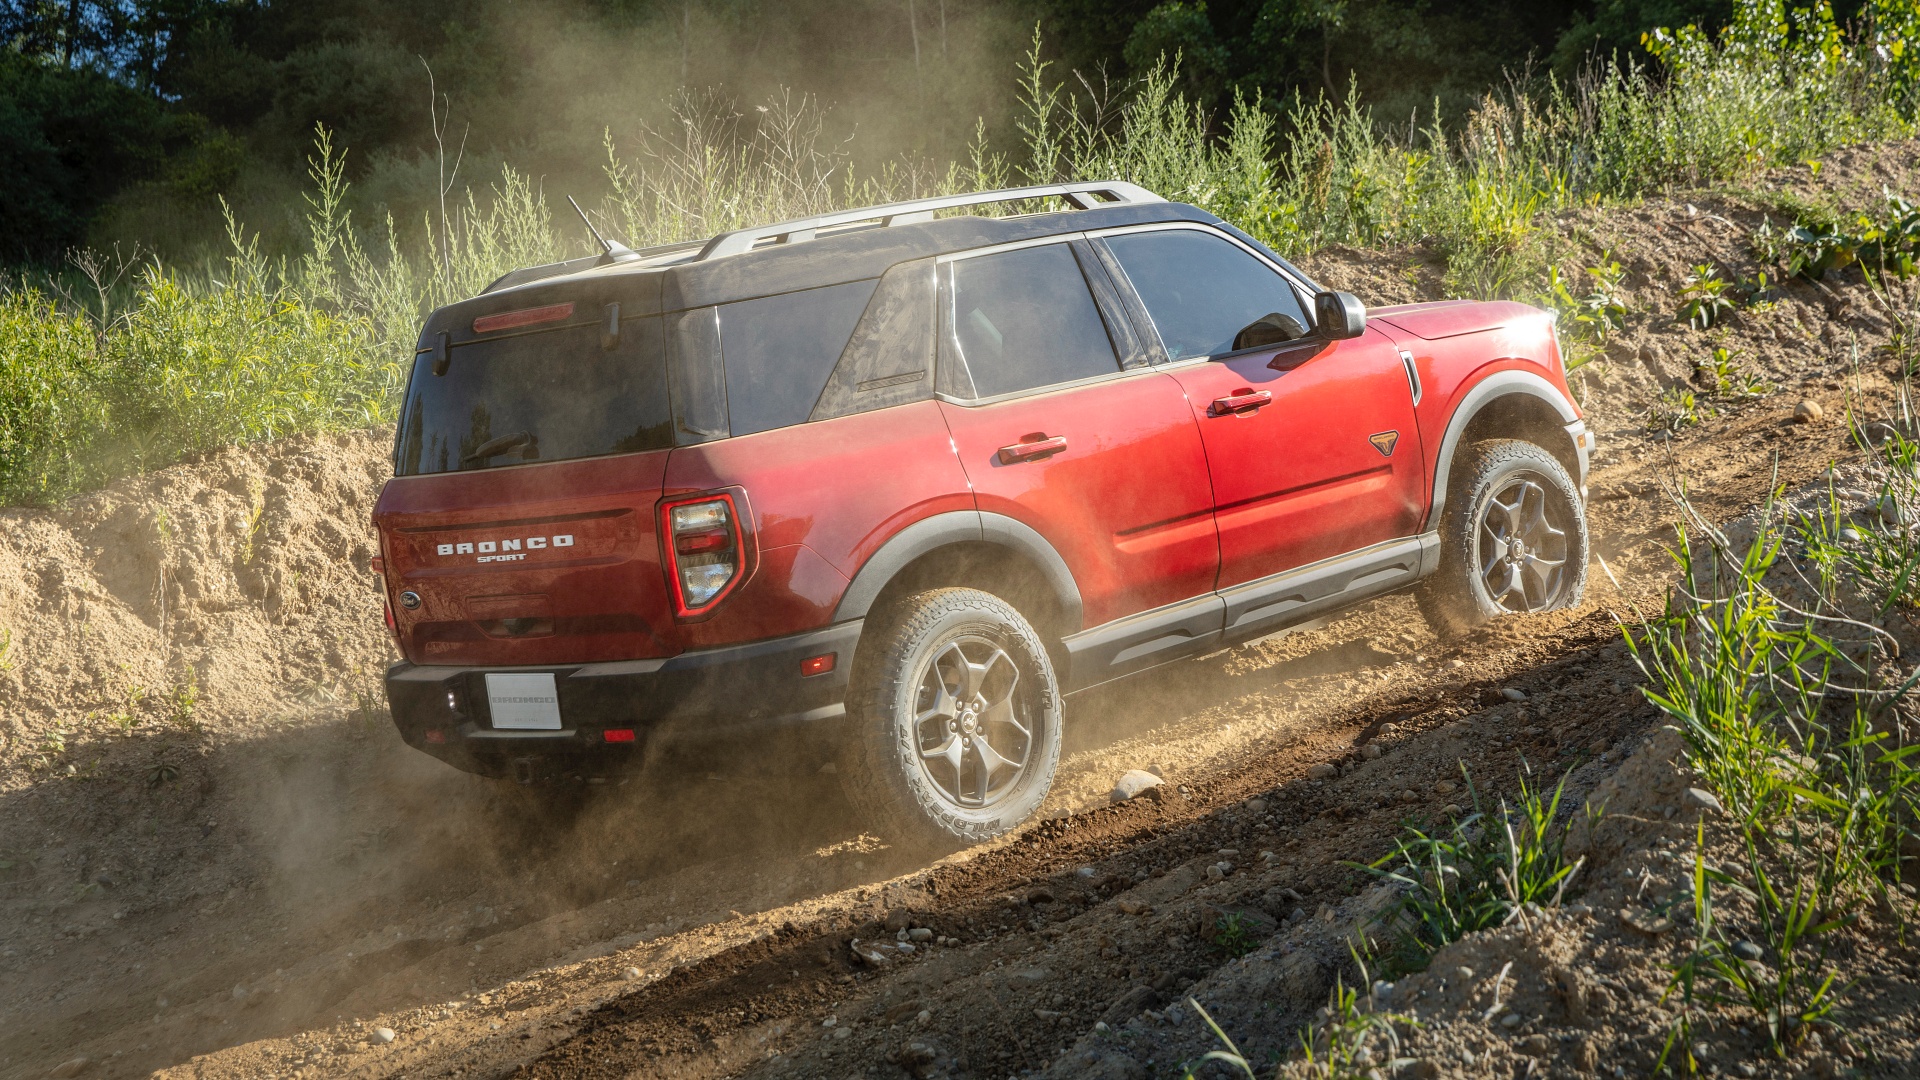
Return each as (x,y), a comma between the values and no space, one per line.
(779,351)
(545,396)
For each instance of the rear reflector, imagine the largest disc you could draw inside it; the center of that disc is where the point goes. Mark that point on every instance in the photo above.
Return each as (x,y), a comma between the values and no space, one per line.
(817,665)
(507,320)
(379,565)
(436,736)
(619,734)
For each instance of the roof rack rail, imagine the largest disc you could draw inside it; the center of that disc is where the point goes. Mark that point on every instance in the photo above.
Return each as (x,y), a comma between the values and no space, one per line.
(1083,196)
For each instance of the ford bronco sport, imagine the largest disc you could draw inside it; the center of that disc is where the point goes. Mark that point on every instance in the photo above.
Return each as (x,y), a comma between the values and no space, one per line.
(905,478)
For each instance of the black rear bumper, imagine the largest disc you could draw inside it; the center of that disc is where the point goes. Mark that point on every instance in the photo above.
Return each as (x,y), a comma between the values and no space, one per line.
(711,694)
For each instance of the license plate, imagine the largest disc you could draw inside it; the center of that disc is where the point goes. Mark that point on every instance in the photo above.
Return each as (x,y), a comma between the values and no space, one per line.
(524,702)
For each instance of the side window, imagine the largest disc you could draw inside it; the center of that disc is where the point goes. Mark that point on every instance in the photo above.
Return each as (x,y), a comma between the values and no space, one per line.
(1024,319)
(1202,291)
(779,351)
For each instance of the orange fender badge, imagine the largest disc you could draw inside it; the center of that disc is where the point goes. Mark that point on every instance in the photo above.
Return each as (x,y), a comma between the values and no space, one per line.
(1384,442)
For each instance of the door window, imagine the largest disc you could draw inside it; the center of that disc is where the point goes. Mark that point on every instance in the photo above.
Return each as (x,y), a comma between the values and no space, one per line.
(1202,290)
(1024,319)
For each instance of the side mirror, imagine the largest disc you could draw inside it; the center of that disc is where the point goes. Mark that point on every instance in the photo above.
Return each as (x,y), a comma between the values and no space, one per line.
(1339,315)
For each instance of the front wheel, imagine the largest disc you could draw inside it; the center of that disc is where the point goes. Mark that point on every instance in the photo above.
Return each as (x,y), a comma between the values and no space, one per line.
(1513,539)
(958,716)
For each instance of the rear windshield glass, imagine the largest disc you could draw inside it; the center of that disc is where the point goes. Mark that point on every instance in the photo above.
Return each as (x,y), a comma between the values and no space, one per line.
(545,396)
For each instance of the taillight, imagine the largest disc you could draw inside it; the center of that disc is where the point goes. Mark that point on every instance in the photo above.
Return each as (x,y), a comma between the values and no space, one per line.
(705,551)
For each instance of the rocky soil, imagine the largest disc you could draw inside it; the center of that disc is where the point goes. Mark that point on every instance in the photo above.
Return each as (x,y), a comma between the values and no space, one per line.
(217,860)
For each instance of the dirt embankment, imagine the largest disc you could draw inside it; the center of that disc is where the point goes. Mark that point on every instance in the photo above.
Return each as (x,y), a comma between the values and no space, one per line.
(215,853)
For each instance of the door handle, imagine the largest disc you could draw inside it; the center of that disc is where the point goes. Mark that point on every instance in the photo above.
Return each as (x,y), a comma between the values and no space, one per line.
(1241,400)
(1036,445)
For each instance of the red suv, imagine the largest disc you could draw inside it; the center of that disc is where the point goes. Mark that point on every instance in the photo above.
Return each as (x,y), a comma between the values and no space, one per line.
(899,480)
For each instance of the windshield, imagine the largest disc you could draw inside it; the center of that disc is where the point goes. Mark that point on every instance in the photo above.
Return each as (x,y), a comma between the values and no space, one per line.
(544,396)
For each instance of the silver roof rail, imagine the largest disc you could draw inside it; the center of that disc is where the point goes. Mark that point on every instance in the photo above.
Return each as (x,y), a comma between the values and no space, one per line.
(1083,196)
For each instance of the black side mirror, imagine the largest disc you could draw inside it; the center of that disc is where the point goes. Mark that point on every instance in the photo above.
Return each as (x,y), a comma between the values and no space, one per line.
(1339,315)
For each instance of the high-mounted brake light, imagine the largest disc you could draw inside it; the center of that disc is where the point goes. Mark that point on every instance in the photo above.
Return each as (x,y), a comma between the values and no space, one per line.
(705,551)
(533,316)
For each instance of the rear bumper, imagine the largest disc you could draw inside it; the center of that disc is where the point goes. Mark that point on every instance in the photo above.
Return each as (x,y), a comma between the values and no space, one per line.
(708,694)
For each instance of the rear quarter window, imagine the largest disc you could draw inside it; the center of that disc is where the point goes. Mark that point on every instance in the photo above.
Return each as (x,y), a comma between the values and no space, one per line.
(780,350)
(546,396)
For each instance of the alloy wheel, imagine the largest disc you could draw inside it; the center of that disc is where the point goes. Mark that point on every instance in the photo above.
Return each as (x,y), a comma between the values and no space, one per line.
(971,732)
(1523,548)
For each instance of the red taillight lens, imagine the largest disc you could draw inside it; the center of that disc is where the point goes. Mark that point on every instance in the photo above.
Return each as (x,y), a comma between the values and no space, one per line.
(705,550)
(507,320)
(818,665)
(379,565)
(618,734)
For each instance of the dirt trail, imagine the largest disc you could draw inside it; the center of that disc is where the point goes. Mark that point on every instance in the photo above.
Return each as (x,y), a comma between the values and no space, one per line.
(251,885)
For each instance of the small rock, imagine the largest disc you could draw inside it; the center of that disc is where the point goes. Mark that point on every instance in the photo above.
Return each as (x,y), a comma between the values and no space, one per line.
(1702,799)
(1134,907)
(1456,663)
(71,1067)
(1537,1045)
(1257,806)
(1747,950)
(1888,508)
(1514,693)
(1382,989)
(239,993)
(897,919)
(842,1033)
(1409,795)
(1745,1069)
(1445,787)
(1450,810)
(1320,771)
(1214,873)
(1463,973)
(383,1035)
(631,974)
(1028,976)
(1135,783)
(1158,770)
(1808,412)
(1510,1021)
(919,933)
(1597,747)
(1086,872)
(1849,535)
(1370,752)
(1877,433)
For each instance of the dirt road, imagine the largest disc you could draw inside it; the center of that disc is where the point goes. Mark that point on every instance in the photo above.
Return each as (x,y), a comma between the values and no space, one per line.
(272,885)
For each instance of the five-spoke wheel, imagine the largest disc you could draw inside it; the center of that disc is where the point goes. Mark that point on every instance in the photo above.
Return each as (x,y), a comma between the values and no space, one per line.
(1523,551)
(1513,538)
(958,716)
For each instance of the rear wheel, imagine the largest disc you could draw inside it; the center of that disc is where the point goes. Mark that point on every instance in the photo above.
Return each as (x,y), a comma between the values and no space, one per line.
(958,716)
(1513,539)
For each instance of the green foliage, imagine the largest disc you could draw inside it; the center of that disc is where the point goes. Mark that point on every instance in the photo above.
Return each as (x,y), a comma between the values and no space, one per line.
(1722,369)
(1786,991)
(1703,297)
(1234,935)
(1477,870)
(1676,410)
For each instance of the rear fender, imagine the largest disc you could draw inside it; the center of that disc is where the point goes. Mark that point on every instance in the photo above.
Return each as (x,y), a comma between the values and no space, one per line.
(961,527)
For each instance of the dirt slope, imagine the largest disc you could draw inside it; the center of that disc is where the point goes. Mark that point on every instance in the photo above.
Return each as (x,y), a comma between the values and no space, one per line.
(252,886)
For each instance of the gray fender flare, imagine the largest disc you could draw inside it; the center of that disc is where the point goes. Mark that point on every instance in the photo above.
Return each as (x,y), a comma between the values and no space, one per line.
(1484,393)
(954,527)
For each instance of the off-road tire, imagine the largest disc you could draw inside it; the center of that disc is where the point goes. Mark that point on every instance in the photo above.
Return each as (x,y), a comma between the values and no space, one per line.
(883,773)
(1456,598)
